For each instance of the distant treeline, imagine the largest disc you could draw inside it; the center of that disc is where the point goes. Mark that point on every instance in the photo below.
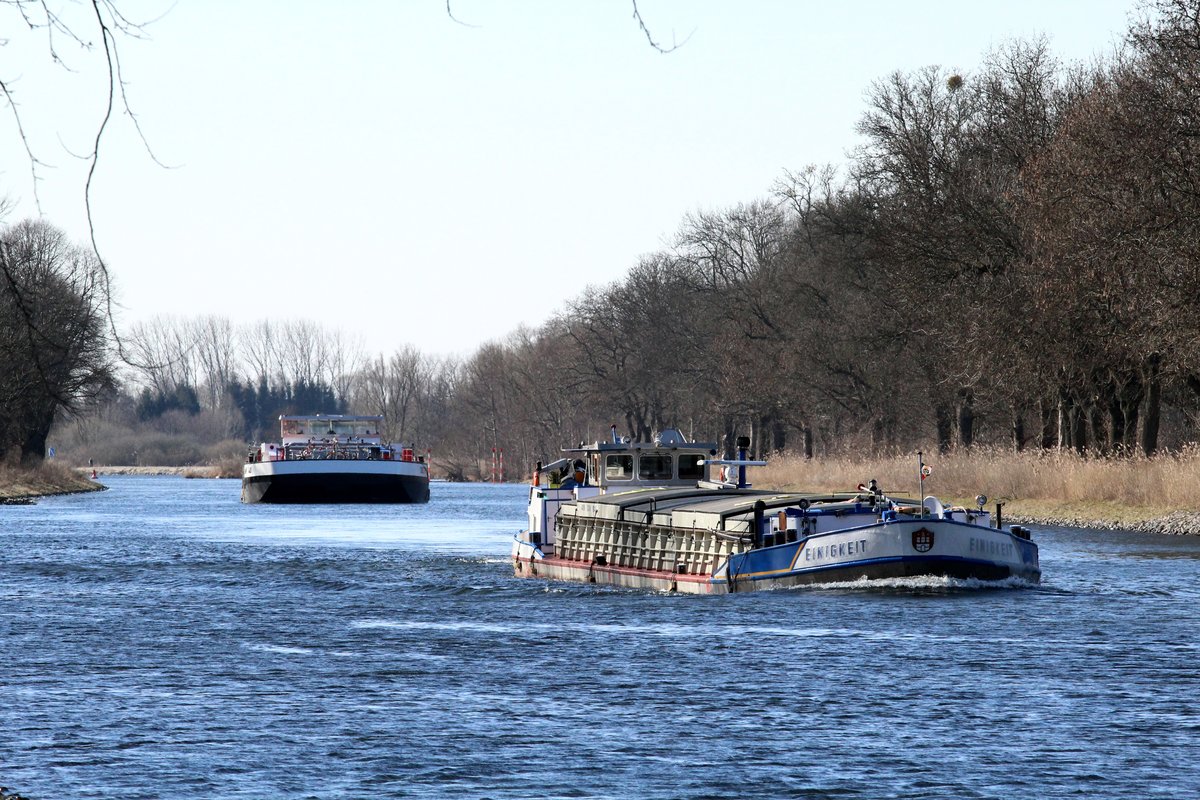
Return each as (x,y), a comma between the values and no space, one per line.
(1011,257)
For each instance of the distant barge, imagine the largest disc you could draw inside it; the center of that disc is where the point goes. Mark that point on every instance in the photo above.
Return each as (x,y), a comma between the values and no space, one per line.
(332,458)
(669,516)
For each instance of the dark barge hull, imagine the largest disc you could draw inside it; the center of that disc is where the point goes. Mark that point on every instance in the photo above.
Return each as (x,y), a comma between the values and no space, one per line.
(335,487)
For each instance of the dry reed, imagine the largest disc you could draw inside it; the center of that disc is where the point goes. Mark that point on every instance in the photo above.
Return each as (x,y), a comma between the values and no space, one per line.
(1163,483)
(227,467)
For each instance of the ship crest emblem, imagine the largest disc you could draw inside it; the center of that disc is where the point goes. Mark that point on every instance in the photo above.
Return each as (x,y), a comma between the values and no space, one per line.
(922,540)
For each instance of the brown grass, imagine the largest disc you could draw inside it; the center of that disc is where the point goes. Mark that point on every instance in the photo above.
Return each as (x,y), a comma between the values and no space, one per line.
(227,467)
(1029,483)
(48,479)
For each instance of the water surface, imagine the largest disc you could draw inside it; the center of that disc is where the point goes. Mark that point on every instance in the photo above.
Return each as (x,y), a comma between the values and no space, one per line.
(161,640)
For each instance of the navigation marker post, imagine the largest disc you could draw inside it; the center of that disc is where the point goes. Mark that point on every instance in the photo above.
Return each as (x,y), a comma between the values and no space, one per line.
(923,472)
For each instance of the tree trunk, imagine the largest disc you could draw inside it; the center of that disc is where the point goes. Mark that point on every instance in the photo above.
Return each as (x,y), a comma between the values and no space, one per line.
(1116,416)
(639,427)
(1066,427)
(1131,411)
(1078,427)
(1050,426)
(1127,401)
(1153,407)
(1018,429)
(778,436)
(808,443)
(944,418)
(657,419)
(33,443)
(966,418)
(730,436)
(758,436)
(1095,419)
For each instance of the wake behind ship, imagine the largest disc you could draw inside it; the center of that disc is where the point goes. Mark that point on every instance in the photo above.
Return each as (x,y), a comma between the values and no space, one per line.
(333,458)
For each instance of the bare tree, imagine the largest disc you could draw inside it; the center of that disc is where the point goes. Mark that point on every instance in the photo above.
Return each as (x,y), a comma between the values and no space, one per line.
(391,387)
(163,354)
(637,17)
(53,351)
(99,21)
(303,351)
(259,346)
(346,358)
(1112,215)
(216,356)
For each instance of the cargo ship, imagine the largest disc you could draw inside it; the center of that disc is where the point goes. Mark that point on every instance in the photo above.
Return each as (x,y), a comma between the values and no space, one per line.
(668,515)
(333,458)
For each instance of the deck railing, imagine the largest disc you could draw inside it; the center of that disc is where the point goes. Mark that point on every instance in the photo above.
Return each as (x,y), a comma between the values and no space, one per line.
(640,546)
(335,452)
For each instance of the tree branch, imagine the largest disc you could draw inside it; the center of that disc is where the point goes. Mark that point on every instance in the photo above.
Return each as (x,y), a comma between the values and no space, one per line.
(637,15)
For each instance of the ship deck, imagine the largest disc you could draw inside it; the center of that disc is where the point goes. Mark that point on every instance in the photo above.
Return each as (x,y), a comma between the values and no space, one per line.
(714,509)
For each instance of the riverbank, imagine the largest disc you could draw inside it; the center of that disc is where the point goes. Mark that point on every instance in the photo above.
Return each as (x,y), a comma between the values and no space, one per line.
(1102,516)
(1155,495)
(186,472)
(22,486)
(225,468)
(19,486)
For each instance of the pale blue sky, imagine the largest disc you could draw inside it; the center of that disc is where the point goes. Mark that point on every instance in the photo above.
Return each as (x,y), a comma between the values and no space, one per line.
(378,168)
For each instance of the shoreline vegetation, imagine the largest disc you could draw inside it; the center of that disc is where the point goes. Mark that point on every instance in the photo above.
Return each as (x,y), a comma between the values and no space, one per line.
(1155,495)
(19,486)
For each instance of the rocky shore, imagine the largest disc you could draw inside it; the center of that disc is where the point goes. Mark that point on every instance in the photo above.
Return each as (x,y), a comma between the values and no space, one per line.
(1176,523)
(228,468)
(187,472)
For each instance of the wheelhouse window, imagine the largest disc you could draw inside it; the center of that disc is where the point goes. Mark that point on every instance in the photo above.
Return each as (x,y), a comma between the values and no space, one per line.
(690,468)
(322,427)
(618,467)
(345,427)
(655,466)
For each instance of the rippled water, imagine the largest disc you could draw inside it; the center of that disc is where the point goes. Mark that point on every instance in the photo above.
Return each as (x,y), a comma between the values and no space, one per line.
(160,640)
